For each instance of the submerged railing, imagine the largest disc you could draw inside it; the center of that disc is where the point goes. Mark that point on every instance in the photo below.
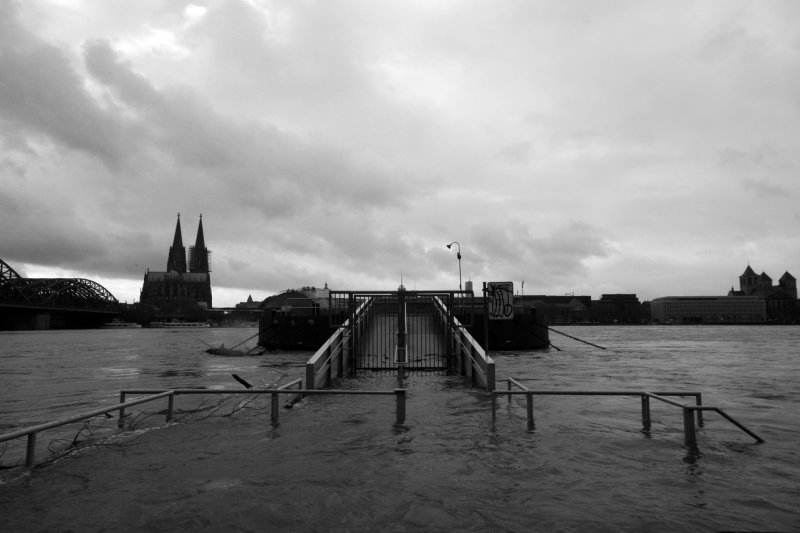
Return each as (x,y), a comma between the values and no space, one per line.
(32,432)
(157,394)
(689,429)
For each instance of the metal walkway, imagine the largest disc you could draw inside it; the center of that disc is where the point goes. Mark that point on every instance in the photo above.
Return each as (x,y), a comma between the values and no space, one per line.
(400,331)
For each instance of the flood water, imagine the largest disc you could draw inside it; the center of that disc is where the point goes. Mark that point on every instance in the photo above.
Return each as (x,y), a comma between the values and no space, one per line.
(339,463)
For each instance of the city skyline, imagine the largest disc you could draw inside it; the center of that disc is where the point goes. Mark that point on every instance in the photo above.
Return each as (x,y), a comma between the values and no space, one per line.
(583,147)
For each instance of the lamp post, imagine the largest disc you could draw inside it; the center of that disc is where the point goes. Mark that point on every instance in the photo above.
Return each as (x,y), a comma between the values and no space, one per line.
(458,254)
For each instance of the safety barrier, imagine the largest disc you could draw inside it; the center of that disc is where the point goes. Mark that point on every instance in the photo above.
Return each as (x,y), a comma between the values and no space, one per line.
(470,359)
(689,429)
(335,354)
(153,394)
(32,432)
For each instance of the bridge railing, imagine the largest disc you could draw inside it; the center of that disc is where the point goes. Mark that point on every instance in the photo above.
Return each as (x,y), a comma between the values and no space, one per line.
(335,354)
(469,357)
(689,429)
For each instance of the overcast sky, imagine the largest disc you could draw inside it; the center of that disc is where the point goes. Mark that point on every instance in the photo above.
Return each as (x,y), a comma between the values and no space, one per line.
(586,147)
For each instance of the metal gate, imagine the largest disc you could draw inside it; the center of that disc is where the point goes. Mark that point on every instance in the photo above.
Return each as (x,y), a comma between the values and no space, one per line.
(394,329)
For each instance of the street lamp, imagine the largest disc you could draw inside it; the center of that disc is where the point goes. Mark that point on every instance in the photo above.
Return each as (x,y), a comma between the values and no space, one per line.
(458,254)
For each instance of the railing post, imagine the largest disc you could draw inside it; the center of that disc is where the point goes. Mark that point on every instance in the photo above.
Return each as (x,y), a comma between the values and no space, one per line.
(698,399)
(645,412)
(494,407)
(329,371)
(170,406)
(310,376)
(274,406)
(490,385)
(529,401)
(450,335)
(508,380)
(353,346)
(400,396)
(121,422)
(689,433)
(30,453)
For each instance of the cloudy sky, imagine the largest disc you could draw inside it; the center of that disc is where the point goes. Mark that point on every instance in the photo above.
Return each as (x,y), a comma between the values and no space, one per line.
(580,146)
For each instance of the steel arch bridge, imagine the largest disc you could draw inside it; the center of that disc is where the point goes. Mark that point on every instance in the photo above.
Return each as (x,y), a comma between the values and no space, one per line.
(52,293)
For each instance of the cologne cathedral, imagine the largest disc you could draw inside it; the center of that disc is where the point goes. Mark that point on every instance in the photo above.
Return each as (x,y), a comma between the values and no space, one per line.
(180,292)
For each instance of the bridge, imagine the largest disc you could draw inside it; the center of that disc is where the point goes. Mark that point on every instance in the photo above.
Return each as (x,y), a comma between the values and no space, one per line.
(402,331)
(45,303)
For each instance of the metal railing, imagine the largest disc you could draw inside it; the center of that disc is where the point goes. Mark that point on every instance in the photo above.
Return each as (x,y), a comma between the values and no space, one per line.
(334,355)
(689,429)
(154,394)
(283,389)
(32,432)
(400,395)
(470,358)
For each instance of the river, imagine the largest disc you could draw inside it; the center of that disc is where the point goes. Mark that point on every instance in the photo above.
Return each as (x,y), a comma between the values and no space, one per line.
(339,463)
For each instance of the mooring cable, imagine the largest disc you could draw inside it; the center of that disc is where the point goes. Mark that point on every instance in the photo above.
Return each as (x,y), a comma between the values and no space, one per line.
(575,338)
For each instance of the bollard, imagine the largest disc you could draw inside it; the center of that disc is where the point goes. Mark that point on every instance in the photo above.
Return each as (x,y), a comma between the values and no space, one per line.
(645,412)
(170,406)
(274,417)
(508,380)
(30,454)
(529,401)
(400,396)
(494,407)
(689,433)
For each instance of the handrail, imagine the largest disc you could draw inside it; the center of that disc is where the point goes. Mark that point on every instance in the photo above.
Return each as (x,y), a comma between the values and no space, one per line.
(155,394)
(690,436)
(31,432)
(330,349)
(480,364)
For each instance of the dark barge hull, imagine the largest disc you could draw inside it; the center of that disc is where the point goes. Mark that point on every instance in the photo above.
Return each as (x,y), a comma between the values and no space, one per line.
(299,331)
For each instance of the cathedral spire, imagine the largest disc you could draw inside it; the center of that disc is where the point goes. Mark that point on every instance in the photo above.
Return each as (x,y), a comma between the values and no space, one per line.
(177,252)
(198,254)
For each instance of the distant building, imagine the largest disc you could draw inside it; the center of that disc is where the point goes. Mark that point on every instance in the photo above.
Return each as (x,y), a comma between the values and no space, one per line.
(304,301)
(250,304)
(618,309)
(780,300)
(756,301)
(567,309)
(178,293)
(708,310)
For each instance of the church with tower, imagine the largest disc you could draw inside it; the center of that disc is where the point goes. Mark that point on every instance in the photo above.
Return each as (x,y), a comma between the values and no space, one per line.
(780,299)
(185,287)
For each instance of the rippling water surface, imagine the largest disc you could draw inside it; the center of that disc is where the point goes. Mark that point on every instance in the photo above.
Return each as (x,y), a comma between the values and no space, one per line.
(340,464)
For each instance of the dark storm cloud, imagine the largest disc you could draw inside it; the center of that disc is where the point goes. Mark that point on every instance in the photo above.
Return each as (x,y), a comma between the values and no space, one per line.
(42,94)
(560,142)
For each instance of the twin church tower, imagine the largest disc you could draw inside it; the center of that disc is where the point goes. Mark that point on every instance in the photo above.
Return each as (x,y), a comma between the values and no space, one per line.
(180,291)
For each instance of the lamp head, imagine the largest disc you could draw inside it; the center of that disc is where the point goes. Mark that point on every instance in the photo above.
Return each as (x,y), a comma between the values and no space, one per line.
(449,245)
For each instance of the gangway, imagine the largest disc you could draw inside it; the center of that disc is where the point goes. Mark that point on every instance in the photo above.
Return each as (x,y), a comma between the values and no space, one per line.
(400,331)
